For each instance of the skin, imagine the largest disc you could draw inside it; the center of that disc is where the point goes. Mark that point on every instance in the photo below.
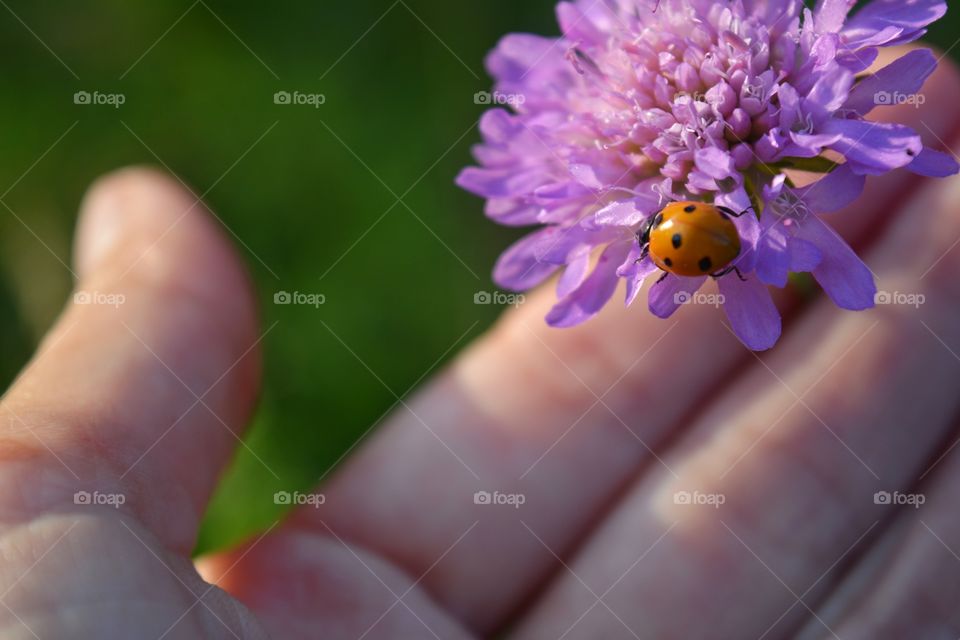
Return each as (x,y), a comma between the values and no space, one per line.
(598,427)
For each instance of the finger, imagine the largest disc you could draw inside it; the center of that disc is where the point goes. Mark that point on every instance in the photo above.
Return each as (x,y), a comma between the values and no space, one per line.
(565,418)
(786,465)
(907,585)
(297,582)
(140,389)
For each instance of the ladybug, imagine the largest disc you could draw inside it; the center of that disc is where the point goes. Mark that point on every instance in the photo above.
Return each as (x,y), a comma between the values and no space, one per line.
(692,239)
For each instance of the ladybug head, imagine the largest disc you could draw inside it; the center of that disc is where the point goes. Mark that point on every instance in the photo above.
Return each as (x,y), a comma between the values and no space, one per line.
(648,225)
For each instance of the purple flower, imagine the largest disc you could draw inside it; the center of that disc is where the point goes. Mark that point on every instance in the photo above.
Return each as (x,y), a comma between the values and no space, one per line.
(640,103)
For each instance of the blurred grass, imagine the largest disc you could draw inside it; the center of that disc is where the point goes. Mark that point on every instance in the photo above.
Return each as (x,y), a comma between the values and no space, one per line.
(198,98)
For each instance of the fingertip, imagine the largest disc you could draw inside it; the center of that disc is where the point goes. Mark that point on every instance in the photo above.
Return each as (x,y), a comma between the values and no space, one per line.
(140,226)
(144,237)
(129,204)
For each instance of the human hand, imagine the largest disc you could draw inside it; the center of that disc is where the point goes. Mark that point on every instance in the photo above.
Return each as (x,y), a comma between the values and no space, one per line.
(597,428)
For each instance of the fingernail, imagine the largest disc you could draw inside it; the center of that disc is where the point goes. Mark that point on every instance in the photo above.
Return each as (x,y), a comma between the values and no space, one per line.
(100,227)
(120,209)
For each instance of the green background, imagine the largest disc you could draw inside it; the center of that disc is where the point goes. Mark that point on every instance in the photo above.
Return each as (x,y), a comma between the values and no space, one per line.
(199,79)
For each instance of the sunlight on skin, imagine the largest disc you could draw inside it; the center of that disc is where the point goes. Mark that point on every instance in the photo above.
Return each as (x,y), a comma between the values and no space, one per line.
(784,474)
(400,549)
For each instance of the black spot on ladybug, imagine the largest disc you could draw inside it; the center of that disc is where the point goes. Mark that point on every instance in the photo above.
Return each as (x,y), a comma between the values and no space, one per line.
(690,208)
(668,262)
(677,240)
(705,264)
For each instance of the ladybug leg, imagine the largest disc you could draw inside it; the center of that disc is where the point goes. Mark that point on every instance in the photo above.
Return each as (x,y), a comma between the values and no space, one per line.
(643,254)
(663,277)
(730,269)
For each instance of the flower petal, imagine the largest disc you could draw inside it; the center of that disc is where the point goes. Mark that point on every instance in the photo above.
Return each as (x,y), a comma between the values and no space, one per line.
(575,25)
(903,77)
(831,89)
(620,214)
(874,148)
(593,294)
(804,256)
(858,60)
(534,68)
(519,268)
(556,244)
(909,16)
(517,54)
(830,15)
(747,226)
(586,175)
(753,316)
(771,11)
(578,268)
(871,38)
(635,272)
(934,164)
(834,191)
(773,255)
(667,295)
(499,126)
(842,274)
(500,183)
(715,162)
(512,212)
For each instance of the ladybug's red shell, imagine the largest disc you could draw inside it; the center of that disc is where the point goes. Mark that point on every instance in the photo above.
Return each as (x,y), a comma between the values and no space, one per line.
(693,239)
